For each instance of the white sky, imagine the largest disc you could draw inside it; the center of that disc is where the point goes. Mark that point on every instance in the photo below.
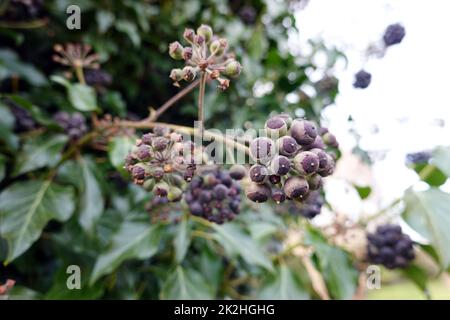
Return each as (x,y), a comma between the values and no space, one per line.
(410,85)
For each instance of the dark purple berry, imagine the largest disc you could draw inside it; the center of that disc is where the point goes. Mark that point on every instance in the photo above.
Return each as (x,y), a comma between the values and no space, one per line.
(280,165)
(362,79)
(238,171)
(258,192)
(276,127)
(278,196)
(220,191)
(394,34)
(262,149)
(287,146)
(258,173)
(296,187)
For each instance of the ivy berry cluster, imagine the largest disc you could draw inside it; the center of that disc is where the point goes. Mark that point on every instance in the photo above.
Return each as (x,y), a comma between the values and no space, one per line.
(214,196)
(161,161)
(74,125)
(390,247)
(290,160)
(205,53)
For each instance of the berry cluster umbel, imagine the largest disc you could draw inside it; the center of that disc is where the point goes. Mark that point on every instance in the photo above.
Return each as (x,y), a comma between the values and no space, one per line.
(214,196)
(290,161)
(74,125)
(205,53)
(162,161)
(390,247)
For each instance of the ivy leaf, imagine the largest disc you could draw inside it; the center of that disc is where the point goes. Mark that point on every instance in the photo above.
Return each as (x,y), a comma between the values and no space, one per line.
(27,207)
(284,285)
(182,239)
(82,97)
(335,265)
(418,276)
(427,212)
(91,202)
(118,149)
(186,284)
(237,242)
(134,240)
(130,29)
(39,152)
(35,111)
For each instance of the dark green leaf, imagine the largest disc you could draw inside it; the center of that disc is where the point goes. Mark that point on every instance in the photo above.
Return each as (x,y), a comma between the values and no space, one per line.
(182,239)
(283,285)
(91,198)
(237,242)
(39,152)
(186,284)
(2,167)
(25,209)
(336,266)
(133,240)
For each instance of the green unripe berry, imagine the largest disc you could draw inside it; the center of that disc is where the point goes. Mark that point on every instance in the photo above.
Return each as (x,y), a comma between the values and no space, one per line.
(176,50)
(174,194)
(232,68)
(205,31)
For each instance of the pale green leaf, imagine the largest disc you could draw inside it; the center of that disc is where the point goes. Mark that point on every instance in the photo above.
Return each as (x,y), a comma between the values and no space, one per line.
(284,285)
(427,212)
(186,284)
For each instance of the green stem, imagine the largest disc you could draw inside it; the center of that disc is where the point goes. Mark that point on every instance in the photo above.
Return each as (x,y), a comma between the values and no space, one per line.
(201,100)
(80,74)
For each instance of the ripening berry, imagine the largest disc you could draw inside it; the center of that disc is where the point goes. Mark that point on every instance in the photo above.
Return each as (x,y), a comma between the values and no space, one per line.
(160,143)
(276,127)
(394,34)
(143,152)
(232,68)
(176,75)
(287,146)
(329,168)
(218,47)
(262,149)
(174,194)
(306,163)
(286,117)
(296,187)
(280,165)
(278,196)
(311,206)
(258,173)
(330,140)
(323,158)
(238,171)
(303,131)
(187,53)
(147,138)
(205,31)
(138,172)
(162,131)
(189,73)
(362,79)
(188,35)
(157,173)
(315,182)
(318,143)
(258,192)
(176,50)
(161,189)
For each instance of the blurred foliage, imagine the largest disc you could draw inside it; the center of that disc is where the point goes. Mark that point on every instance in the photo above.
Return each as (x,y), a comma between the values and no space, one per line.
(61,205)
